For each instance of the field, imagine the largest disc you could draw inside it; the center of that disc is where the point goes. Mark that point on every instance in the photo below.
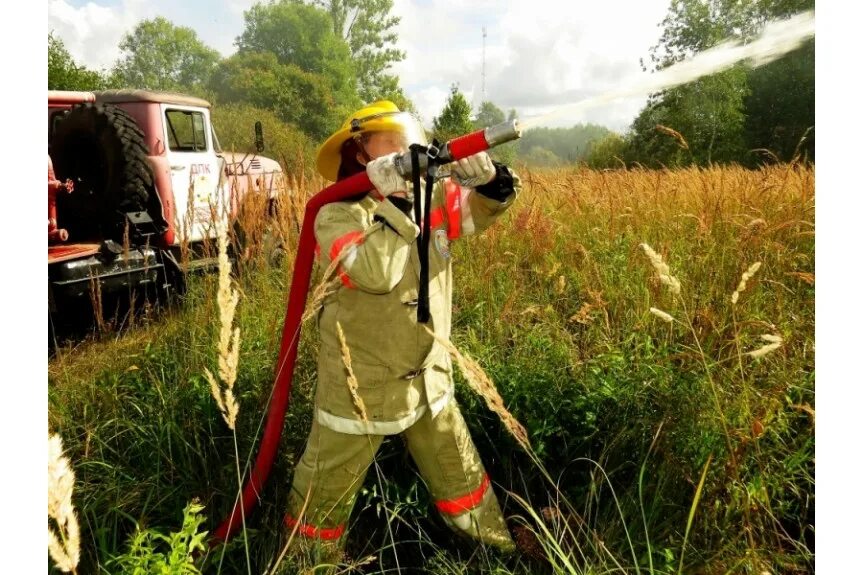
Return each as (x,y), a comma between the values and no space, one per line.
(659,442)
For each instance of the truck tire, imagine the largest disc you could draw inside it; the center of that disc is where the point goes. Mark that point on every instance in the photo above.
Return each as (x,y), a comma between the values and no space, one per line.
(101,148)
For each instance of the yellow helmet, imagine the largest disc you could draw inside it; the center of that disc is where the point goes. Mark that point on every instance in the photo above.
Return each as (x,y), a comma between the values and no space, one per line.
(381,116)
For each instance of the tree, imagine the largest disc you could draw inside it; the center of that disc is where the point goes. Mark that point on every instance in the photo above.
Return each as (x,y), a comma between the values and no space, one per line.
(392,92)
(301,35)
(369,30)
(780,106)
(160,56)
(542,157)
(567,145)
(692,26)
(234,124)
(301,98)
(454,119)
(607,152)
(726,115)
(65,74)
(710,112)
(488,115)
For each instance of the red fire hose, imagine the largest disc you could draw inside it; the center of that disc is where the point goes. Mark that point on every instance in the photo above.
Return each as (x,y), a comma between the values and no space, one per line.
(453,150)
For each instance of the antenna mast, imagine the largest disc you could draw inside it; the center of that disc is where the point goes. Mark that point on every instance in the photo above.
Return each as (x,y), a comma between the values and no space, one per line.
(484,35)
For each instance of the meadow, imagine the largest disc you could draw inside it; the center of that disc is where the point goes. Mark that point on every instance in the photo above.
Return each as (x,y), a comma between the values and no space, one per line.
(652,330)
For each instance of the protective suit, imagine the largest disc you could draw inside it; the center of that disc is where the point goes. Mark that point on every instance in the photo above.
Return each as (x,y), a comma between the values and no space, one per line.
(403,375)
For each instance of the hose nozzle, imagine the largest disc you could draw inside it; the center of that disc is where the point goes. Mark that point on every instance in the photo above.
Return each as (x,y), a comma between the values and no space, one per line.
(463,146)
(502,133)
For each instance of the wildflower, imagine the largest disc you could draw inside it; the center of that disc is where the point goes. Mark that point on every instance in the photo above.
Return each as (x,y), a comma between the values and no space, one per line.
(661,315)
(64,544)
(747,275)
(662,270)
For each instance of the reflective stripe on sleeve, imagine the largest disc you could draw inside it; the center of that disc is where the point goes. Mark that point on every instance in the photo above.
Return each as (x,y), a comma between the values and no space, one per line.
(345,279)
(348,241)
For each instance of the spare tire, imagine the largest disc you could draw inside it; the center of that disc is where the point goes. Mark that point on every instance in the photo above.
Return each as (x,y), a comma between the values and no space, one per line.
(101,148)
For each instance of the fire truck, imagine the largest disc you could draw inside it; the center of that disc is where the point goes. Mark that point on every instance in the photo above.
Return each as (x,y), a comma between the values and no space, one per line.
(137,184)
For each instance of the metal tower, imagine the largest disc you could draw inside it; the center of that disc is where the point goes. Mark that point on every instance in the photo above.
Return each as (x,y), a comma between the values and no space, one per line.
(484,35)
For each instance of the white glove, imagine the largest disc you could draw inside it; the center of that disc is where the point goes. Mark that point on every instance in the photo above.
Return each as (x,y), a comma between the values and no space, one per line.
(474,170)
(384,176)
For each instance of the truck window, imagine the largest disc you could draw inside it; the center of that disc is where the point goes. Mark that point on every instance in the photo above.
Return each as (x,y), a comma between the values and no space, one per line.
(186,131)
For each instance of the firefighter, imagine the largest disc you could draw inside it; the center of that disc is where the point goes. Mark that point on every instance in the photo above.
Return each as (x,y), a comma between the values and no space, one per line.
(403,375)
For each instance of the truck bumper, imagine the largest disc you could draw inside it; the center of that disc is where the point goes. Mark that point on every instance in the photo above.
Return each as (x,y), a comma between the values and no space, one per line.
(75,278)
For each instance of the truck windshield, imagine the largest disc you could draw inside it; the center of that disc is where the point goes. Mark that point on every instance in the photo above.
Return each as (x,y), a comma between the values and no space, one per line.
(186,131)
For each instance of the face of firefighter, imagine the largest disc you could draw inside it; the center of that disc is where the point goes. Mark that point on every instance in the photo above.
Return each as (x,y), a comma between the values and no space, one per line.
(382,143)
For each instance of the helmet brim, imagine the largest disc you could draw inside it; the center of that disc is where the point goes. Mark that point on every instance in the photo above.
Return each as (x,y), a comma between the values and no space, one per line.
(329,154)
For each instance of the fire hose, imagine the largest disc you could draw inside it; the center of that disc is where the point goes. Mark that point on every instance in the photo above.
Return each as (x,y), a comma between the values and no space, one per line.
(419,160)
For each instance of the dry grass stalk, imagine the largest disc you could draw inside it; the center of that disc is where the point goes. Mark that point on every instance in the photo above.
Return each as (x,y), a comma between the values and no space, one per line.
(229,338)
(64,545)
(352,384)
(484,386)
(187,224)
(746,275)
(532,310)
(96,302)
(773,343)
(584,315)
(806,277)
(664,316)
(327,286)
(673,134)
(662,269)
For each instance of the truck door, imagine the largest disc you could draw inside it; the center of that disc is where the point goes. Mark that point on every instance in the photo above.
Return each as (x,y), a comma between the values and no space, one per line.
(195,176)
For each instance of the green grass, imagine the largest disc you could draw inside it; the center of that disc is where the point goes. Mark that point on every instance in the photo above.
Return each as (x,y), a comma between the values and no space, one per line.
(657,448)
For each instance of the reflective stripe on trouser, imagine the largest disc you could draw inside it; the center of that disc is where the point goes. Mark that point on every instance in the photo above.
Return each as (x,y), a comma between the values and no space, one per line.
(334,466)
(448,461)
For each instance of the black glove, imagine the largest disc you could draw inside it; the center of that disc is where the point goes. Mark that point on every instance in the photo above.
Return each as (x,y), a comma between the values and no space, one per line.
(501,187)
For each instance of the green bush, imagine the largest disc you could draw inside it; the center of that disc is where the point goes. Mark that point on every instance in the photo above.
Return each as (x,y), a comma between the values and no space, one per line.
(234,124)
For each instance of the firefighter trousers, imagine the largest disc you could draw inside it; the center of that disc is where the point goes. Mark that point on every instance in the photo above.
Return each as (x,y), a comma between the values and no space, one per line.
(334,465)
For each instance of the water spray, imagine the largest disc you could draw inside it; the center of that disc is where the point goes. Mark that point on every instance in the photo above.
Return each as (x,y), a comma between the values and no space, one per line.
(776,40)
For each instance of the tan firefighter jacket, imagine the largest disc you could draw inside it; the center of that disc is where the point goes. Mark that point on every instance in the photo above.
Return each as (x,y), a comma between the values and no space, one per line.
(400,369)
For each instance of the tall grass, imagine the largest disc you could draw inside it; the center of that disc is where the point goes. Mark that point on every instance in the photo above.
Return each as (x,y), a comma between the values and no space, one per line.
(654,446)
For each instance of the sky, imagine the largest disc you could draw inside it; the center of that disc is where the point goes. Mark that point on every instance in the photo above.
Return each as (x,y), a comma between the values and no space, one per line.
(539,54)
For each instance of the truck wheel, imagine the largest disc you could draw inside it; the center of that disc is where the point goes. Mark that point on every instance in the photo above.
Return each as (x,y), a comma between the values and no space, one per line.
(101,148)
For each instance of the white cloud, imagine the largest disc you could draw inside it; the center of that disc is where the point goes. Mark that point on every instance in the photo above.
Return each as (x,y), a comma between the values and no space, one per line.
(539,54)
(237,7)
(92,32)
